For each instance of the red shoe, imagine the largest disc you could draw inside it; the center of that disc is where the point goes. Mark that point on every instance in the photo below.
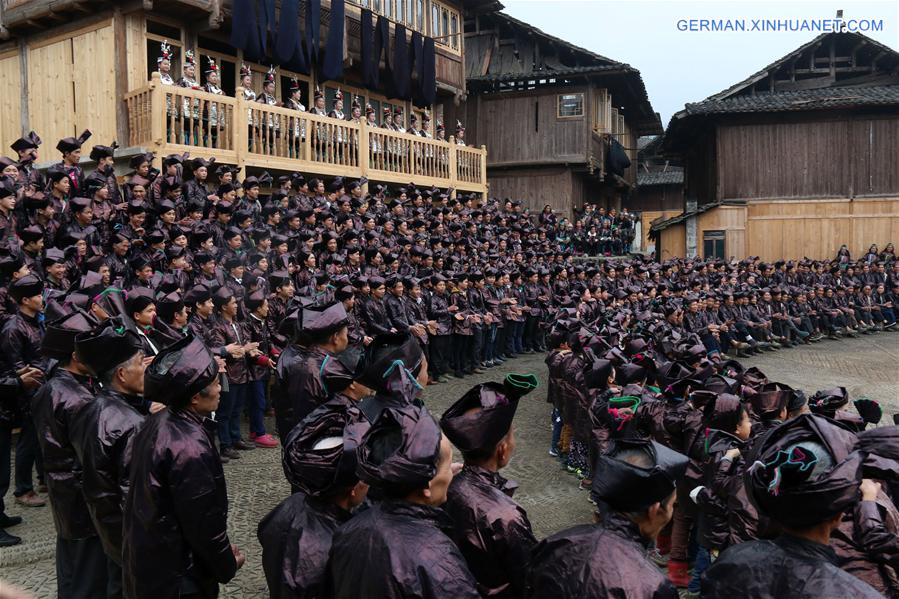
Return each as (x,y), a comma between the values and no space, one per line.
(265,441)
(678,574)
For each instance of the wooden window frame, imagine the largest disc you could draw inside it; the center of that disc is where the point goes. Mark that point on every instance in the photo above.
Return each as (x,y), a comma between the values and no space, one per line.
(437,30)
(559,114)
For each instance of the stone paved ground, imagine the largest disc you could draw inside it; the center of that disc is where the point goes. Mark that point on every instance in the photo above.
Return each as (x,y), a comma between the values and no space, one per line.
(255,483)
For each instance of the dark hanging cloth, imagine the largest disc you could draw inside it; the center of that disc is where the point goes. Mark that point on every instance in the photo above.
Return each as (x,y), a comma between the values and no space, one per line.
(617,160)
(266,23)
(242,13)
(402,73)
(416,49)
(288,31)
(245,30)
(332,64)
(367,50)
(429,67)
(382,45)
(313,24)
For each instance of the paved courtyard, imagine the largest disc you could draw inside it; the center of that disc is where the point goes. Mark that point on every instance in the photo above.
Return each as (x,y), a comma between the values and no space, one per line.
(866,366)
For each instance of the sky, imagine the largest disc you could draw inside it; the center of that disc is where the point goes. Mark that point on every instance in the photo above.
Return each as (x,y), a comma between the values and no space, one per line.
(688,66)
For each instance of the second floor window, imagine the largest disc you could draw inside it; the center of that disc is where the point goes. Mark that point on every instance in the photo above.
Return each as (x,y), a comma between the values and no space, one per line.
(571,105)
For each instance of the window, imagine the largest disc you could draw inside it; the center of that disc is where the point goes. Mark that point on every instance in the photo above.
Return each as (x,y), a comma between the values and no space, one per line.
(388,8)
(571,105)
(454,31)
(401,11)
(713,244)
(420,13)
(435,20)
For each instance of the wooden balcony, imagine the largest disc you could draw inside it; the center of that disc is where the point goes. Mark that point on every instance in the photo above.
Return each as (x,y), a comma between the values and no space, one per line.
(167,119)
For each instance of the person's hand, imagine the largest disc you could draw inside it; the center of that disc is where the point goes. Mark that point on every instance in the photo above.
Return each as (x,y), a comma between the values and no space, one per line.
(239,557)
(730,454)
(453,309)
(31,377)
(251,347)
(235,350)
(155,406)
(869,489)
(221,363)
(367,340)
(11,592)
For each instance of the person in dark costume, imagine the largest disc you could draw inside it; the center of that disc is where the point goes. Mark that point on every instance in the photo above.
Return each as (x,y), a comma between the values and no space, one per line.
(805,474)
(491,529)
(398,548)
(320,462)
(175,536)
(633,486)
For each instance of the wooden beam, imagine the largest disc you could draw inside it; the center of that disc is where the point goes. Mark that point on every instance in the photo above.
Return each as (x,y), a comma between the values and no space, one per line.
(79,7)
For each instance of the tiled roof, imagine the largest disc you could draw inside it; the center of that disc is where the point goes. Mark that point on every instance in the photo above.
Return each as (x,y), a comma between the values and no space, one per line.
(810,99)
(671,177)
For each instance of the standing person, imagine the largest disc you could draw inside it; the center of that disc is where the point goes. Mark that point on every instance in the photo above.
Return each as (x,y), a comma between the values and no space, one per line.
(406,458)
(70,147)
(101,432)
(492,531)
(260,366)
(21,347)
(175,530)
(225,331)
(320,463)
(633,486)
(321,334)
(809,473)
(441,338)
(164,64)
(27,149)
(80,561)
(212,86)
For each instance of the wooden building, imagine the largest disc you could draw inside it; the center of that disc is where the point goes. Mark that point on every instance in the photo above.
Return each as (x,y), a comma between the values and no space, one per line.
(660,189)
(793,161)
(549,110)
(68,65)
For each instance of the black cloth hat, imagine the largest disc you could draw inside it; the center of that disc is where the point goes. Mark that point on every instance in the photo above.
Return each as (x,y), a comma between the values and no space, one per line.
(392,362)
(31,233)
(70,144)
(484,414)
(222,296)
(180,371)
(169,304)
(59,335)
(401,450)
(338,372)
(197,295)
(318,319)
(24,143)
(805,471)
(107,346)
(99,152)
(27,286)
(320,452)
(10,263)
(628,488)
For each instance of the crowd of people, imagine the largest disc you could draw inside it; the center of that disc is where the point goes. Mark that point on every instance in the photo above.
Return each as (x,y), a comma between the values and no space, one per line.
(143,317)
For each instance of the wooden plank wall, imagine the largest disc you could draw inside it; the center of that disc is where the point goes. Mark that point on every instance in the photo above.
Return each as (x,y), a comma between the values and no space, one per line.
(507,126)
(95,99)
(807,159)
(656,198)
(646,219)
(51,96)
(793,229)
(534,187)
(673,241)
(76,89)
(731,220)
(136,50)
(11,101)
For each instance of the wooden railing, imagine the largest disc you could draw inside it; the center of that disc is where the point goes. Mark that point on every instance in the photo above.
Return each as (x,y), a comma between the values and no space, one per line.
(168,119)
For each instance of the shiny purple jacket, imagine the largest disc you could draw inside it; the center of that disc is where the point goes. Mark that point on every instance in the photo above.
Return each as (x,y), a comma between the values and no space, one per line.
(175,530)
(785,567)
(101,433)
(594,561)
(397,550)
(296,539)
(53,408)
(491,529)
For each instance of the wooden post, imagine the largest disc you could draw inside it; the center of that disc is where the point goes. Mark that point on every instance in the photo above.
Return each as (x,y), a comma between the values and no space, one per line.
(158,114)
(364,149)
(452,164)
(240,132)
(484,170)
